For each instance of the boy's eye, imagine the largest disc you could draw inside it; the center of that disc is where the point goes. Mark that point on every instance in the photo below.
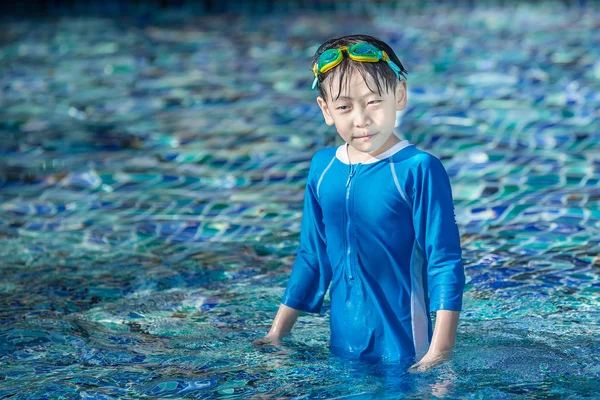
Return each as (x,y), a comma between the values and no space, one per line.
(374,101)
(340,108)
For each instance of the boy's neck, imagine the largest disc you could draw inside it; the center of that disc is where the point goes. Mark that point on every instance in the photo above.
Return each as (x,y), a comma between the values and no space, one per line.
(355,156)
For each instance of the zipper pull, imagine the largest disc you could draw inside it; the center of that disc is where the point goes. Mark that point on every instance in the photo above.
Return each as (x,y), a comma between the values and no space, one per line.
(350,175)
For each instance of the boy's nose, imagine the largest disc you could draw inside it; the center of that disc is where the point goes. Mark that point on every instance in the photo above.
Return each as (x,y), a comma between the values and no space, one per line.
(362,121)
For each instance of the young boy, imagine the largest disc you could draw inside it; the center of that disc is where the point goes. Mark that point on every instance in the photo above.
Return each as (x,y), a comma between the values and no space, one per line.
(378,221)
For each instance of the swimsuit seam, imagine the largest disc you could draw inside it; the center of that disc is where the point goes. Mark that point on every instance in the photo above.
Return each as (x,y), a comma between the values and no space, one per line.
(322,175)
(402,194)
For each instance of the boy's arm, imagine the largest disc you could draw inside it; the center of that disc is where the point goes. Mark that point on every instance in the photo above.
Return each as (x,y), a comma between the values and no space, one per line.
(439,240)
(311,273)
(283,322)
(444,334)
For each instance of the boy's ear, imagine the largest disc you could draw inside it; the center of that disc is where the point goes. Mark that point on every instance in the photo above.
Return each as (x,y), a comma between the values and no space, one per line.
(325,110)
(401,95)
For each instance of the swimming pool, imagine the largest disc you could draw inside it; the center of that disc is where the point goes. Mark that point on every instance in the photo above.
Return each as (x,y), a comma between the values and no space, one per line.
(152,178)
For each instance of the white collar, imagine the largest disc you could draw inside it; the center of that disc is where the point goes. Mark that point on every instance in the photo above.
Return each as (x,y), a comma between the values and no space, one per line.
(342,152)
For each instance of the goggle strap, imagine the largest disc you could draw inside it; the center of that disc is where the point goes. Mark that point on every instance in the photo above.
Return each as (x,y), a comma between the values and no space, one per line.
(314,85)
(394,67)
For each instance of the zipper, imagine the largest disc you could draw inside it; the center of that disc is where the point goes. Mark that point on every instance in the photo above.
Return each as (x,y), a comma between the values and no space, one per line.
(348,246)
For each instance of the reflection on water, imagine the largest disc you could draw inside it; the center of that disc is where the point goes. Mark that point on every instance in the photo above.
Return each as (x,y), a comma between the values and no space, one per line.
(152,175)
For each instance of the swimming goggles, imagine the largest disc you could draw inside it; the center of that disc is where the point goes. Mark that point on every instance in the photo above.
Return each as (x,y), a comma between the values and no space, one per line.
(361,51)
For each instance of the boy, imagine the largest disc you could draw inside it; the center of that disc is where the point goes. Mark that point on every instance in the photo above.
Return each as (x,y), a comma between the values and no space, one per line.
(378,221)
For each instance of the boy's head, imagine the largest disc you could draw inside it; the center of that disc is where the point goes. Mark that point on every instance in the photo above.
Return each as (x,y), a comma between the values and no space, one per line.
(361,98)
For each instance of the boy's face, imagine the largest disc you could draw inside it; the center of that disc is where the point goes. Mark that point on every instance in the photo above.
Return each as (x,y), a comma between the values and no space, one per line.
(362,118)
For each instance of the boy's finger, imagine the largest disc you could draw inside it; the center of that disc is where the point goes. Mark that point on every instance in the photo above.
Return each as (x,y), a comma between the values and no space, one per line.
(260,342)
(414,367)
(264,341)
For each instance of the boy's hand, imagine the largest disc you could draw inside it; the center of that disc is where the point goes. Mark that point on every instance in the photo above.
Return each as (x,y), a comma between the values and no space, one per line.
(442,343)
(430,360)
(273,340)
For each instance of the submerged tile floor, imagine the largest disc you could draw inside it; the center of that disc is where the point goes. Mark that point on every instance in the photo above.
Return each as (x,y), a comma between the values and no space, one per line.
(152,175)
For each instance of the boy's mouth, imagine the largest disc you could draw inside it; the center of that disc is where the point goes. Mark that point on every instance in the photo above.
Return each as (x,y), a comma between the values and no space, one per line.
(366,137)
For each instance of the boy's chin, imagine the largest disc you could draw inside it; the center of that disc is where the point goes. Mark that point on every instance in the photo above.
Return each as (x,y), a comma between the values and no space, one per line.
(367,144)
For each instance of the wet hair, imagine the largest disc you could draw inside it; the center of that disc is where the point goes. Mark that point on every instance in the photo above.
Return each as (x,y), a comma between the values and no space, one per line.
(379,71)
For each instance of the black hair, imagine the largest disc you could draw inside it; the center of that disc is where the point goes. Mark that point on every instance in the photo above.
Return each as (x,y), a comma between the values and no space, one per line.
(379,71)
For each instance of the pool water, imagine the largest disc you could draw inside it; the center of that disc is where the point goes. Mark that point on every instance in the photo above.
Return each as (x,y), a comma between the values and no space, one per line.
(152,175)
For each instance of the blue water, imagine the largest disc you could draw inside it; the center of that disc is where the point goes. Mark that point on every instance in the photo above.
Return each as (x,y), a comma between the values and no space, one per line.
(151,183)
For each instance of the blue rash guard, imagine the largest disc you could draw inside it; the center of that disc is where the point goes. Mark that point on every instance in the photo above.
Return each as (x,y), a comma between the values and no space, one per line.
(384,234)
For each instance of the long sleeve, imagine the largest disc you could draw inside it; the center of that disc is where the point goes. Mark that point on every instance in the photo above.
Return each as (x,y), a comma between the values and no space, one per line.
(437,235)
(311,273)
